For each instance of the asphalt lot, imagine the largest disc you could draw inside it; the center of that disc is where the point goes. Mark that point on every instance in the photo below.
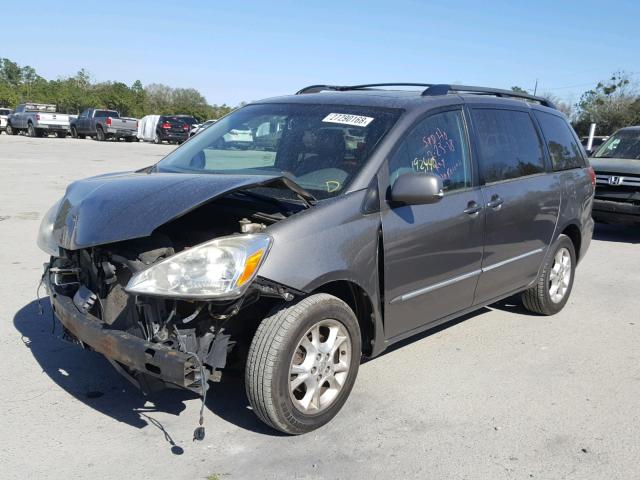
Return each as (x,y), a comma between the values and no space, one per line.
(502,394)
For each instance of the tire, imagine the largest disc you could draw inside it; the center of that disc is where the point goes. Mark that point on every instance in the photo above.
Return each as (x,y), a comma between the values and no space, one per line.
(10,130)
(61,135)
(277,349)
(74,132)
(156,139)
(128,139)
(100,136)
(31,131)
(552,289)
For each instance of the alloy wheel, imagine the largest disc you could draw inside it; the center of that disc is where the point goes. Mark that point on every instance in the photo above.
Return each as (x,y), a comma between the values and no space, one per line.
(560,275)
(320,366)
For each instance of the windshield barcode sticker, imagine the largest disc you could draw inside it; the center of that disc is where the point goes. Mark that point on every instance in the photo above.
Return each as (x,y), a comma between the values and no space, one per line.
(347,119)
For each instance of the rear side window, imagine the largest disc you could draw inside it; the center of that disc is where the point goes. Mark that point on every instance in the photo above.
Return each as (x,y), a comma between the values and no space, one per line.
(105,113)
(436,145)
(563,146)
(509,144)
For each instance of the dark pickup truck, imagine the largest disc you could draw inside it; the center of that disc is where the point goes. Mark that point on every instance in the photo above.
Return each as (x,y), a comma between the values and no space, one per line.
(617,167)
(103,125)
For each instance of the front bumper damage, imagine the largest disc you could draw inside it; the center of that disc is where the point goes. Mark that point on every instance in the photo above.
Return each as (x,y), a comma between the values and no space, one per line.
(153,359)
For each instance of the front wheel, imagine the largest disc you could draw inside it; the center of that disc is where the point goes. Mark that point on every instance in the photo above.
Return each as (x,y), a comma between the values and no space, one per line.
(11,130)
(302,363)
(551,291)
(31,131)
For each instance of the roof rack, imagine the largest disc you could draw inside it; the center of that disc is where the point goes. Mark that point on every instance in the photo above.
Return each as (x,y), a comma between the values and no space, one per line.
(443,89)
(343,88)
(432,90)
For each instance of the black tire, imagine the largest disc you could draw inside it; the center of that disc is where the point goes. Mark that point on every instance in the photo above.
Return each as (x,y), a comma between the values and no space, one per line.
(128,139)
(100,136)
(538,298)
(11,130)
(61,135)
(74,132)
(156,139)
(267,373)
(31,131)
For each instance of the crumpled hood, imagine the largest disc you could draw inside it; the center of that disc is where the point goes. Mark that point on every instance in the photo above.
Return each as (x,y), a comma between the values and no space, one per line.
(122,206)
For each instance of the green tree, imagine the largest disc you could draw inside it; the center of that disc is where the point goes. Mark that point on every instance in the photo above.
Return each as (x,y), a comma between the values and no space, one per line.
(612,104)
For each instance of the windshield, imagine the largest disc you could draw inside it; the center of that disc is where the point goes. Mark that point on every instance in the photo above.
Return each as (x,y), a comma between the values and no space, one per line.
(320,147)
(624,144)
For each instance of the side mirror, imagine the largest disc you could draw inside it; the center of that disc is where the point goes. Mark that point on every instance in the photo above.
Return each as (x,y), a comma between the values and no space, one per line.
(417,189)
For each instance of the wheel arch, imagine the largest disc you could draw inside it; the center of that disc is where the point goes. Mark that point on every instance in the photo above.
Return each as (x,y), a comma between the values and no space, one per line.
(572,230)
(362,305)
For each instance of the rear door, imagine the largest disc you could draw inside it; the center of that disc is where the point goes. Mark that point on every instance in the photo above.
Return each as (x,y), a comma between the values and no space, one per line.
(521,199)
(432,253)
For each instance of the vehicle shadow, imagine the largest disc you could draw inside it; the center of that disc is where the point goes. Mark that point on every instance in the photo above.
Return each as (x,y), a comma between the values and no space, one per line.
(616,233)
(430,331)
(90,378)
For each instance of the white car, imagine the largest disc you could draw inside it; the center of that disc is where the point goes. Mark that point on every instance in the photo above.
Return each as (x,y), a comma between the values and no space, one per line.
(4,114)
(195,129)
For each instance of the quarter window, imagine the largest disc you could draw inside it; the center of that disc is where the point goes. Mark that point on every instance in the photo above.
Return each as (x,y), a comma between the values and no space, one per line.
(563,146)
(436,145)
(509,144)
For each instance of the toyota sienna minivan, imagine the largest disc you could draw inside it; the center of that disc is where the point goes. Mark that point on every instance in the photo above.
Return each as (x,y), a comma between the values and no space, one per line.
(343,220)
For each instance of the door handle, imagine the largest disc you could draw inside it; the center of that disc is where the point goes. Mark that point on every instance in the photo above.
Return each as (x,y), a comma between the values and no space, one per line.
(472,208)
(496,202)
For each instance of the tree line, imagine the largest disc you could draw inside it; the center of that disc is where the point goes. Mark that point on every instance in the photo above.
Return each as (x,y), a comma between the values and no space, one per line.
(75,93)
(611,104)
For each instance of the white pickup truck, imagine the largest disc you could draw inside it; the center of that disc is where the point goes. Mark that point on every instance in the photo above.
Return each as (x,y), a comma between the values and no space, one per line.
(38,120)
(4,115)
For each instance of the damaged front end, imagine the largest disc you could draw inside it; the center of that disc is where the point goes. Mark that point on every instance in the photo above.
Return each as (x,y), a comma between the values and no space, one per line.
(167,309)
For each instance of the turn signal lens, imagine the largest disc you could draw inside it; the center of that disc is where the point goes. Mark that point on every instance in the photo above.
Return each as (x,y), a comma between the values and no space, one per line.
(250,267)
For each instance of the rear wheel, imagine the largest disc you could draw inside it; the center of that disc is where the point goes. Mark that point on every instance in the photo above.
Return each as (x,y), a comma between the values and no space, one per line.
(551,291)
(31,131)
(61,135)
(156,139)
(302,363)
(100,136)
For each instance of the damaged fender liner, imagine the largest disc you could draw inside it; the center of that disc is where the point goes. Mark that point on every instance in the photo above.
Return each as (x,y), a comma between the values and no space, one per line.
(153,359)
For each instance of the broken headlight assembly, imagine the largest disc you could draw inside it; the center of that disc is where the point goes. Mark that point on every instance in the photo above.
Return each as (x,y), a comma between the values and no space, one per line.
(45,240)
(220,268)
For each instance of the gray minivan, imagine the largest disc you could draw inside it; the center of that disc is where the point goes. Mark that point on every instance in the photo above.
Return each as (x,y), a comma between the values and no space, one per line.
(342,220)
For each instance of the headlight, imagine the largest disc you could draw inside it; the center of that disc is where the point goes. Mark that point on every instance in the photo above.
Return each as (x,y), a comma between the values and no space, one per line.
(45,235)
(223,267)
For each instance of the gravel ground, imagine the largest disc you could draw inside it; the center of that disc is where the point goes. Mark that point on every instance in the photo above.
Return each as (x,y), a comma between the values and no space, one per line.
(500,394)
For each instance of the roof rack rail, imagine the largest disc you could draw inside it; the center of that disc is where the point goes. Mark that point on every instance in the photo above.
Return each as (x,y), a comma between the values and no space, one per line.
(443,89)
(432,89)
(343,88)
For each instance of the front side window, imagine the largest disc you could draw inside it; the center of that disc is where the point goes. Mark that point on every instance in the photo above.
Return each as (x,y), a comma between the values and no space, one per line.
(508,144)
(436,145)
(563,147)
(623,144)
(320,147)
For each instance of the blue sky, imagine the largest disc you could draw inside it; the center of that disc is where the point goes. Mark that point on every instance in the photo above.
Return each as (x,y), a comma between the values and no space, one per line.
(233,51)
